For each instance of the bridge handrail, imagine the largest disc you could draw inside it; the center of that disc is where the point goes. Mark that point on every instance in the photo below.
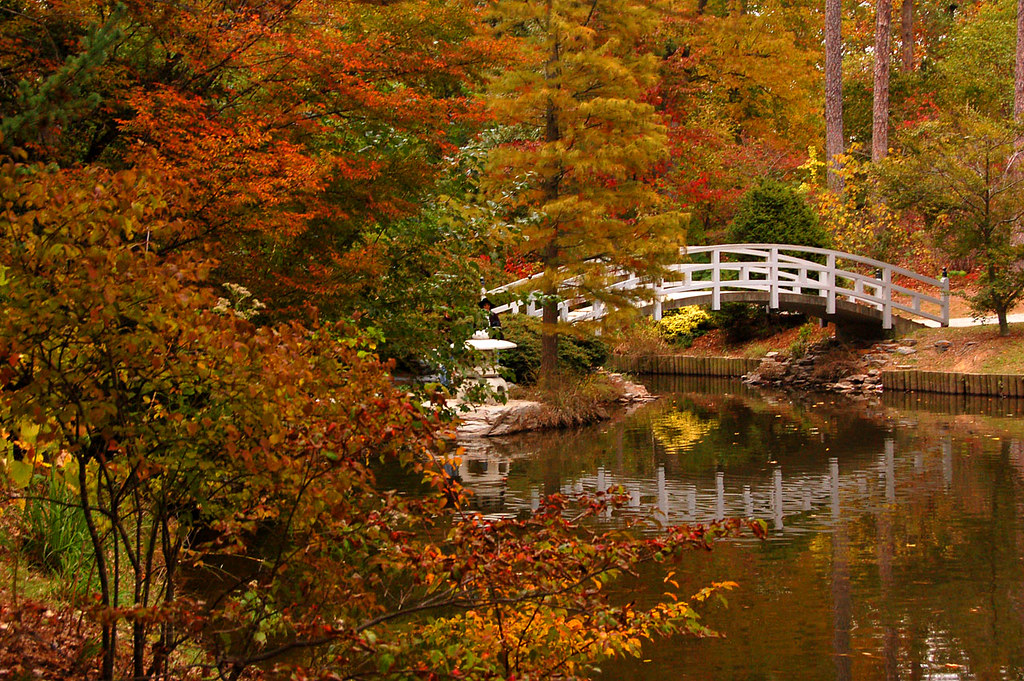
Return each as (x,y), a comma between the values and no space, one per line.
(783,272)
(840,255)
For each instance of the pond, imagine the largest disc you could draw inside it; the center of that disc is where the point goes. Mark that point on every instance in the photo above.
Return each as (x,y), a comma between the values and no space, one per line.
(896,543)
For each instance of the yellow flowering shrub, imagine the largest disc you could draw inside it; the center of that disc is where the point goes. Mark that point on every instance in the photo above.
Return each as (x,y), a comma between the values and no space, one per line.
(684,325)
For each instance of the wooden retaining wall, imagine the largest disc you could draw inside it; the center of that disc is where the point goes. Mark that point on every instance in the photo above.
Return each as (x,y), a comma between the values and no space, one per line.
(909,380)
(912,380)
(683,365)
(946,403)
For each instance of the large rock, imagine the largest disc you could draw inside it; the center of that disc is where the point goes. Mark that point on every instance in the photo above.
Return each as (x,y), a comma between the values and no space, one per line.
(501,419)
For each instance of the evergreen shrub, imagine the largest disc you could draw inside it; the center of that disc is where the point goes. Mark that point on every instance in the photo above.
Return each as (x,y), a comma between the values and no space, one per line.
(774,213)
(578,352)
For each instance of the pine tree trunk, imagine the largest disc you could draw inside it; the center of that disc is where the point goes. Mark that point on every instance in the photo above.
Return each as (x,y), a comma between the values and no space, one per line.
(549,343)
(552,133)
(1018,76)
(880,117)
(833,91)
(1017,235)
(907,35)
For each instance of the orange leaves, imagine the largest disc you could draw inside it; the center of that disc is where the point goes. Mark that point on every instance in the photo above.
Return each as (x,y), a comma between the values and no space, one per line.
(237,174)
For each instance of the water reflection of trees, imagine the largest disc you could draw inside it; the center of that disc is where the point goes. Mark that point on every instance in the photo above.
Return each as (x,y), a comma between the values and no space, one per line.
(913,569)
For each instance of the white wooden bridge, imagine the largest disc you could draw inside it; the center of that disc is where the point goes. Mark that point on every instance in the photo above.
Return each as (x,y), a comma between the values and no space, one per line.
(824,283)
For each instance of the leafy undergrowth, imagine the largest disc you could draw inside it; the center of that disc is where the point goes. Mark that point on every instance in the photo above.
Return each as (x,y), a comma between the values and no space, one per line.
(574,400)
(44,641)
(41,635)
(714,343)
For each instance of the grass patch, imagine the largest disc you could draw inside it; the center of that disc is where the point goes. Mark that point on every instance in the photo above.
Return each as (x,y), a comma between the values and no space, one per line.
(573,400)
(974,349)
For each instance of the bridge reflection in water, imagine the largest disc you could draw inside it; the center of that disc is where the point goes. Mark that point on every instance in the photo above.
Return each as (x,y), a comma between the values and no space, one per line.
(897,543)
(770,495)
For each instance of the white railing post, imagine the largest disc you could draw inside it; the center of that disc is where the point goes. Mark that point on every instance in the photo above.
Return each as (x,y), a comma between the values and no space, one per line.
(716,280)
(887,296)
(657,301)
(773,278)
(598,309)
(887,291)
(945,298)
(830,285)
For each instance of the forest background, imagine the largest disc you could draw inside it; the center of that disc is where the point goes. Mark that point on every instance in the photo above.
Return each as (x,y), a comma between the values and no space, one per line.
(219,216)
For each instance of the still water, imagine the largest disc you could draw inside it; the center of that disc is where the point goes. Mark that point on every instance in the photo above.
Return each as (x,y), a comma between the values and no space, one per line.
(896,545)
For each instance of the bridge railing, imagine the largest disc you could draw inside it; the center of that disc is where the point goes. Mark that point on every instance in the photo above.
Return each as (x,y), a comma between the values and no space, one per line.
(776,270)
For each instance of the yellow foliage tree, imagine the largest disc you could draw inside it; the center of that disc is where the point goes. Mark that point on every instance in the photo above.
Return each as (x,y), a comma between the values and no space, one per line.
(585,148)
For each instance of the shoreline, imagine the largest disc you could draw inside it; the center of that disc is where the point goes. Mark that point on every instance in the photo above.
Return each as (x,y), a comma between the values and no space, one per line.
(904,379)
(517,416)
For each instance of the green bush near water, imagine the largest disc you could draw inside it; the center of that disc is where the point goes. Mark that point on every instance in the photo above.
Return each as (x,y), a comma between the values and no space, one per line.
(578,352)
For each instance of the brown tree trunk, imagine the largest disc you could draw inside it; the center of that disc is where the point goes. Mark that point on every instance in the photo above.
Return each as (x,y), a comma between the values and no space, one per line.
(549,343)
(907,35)
(552,133)
(1018,76)
(880,117)
(1017,237)
(833,92)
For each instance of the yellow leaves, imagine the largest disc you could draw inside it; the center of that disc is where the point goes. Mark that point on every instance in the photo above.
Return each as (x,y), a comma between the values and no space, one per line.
(28,432)
(714,589)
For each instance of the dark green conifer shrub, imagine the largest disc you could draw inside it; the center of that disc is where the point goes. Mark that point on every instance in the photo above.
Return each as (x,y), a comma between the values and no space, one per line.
(578,352)
(774,213)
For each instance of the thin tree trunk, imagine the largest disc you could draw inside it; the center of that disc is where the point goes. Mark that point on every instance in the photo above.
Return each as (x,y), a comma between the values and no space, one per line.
(880,117)
(108,630)
(833,91)
(907,35)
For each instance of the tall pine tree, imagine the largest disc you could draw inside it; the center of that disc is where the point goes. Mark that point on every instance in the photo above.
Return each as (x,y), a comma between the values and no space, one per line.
(580,172)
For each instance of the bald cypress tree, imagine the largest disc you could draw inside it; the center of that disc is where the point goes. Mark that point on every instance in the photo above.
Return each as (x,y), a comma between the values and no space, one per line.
(580,172)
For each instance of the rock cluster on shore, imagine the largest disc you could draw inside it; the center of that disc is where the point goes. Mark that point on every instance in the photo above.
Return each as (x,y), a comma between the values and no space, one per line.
(830,366)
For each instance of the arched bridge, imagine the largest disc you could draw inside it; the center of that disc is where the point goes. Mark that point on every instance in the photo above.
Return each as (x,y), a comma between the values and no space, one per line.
(833,285)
